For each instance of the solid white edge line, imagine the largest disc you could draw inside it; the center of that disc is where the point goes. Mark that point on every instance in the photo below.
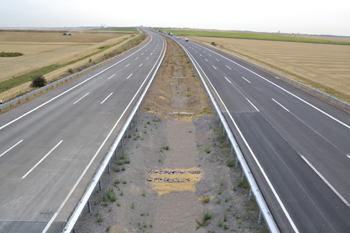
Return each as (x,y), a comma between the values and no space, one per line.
(111,76)
(93,158)
(11,148)
(302,100)
(280,105)
(81,98)
(252,105)
(246,79)
(106,98)
(253,155)
(18,118)
(228,80)
(50,222)
(326,181)
(41,160)
(129,76)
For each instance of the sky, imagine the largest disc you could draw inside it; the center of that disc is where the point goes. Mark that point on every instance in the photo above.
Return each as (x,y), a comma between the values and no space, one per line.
(298,16)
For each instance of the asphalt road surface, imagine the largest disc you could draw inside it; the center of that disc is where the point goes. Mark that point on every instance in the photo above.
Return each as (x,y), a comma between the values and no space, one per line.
(297,146)
(51,147)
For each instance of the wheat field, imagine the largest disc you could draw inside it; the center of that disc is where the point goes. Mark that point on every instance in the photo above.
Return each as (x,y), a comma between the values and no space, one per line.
(322,66)
(43,48)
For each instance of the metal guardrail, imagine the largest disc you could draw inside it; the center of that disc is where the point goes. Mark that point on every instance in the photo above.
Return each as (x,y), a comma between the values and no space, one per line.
(18,99)
(264,210)
(338,103)
(106,162)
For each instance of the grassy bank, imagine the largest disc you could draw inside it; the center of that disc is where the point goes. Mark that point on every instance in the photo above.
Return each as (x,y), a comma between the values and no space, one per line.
(15,54)
(255,36)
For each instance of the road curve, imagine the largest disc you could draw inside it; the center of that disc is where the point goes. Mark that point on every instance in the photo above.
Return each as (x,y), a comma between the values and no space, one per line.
(51,147)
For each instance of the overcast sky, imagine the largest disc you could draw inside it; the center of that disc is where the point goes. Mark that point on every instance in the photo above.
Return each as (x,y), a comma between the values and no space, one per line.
(298,16)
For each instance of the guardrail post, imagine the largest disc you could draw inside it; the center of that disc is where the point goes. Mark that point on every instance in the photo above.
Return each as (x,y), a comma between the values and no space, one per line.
(109,172)
(126,133)
(89,206)
(121,143)
(259,221)
(231,149)
(74,230)
(236,161)
(242,176)
(250,194)
(100,185)
(115,154)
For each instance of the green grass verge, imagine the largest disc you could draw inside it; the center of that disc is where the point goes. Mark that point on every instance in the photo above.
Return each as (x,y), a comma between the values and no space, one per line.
(255,36)
(119,29)
(27,77)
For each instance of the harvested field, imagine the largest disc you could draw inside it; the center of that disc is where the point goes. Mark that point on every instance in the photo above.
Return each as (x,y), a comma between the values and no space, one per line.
(43,48)
(321,66)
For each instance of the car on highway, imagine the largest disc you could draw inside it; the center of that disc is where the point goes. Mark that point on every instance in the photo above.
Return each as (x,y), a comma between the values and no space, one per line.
(186,39)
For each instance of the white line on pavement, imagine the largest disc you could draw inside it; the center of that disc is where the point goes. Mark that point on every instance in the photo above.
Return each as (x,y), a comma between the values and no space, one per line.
(140,65)
(276,77)
(147,58)
(129,76)
(346,155)
(11,148)
(280,105)
(326,181)
(111,76)
(297,97)
(72,88)
(255,158)
(141,54)
(81,98)
(246,79)
(42,159)
(228,67)
(98,151)
(214,67)
(106,98)
(127,65)
(217,59)
(206,60)
(228,80)
(252,104)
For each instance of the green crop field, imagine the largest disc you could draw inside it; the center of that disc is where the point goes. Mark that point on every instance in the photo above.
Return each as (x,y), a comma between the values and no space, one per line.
(119,29)
(255,36)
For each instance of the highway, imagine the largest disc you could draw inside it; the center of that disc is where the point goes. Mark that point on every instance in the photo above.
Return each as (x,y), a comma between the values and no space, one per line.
(297,146)
(51,147)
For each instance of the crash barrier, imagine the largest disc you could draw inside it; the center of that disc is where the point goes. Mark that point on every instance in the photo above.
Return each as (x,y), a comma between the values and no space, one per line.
(62,80)
(85,200)
(254,188)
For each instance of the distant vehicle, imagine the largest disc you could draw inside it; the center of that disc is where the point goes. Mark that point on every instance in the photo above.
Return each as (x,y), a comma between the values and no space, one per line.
(177,38)
(186,39)
(64,34)
(69,34)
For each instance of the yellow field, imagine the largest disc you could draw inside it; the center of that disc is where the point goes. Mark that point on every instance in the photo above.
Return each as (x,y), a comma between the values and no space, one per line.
(325,67)
(43,48)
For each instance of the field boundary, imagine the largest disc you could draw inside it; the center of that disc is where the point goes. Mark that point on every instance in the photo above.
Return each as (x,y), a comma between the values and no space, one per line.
(342,105)
(25,96)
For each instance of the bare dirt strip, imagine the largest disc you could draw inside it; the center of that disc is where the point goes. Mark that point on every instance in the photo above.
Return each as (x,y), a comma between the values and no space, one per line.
(321,66)
(174,172)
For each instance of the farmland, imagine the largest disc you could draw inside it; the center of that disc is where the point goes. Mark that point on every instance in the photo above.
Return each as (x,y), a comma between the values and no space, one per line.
(256,36)
(44,48)
(325,67)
